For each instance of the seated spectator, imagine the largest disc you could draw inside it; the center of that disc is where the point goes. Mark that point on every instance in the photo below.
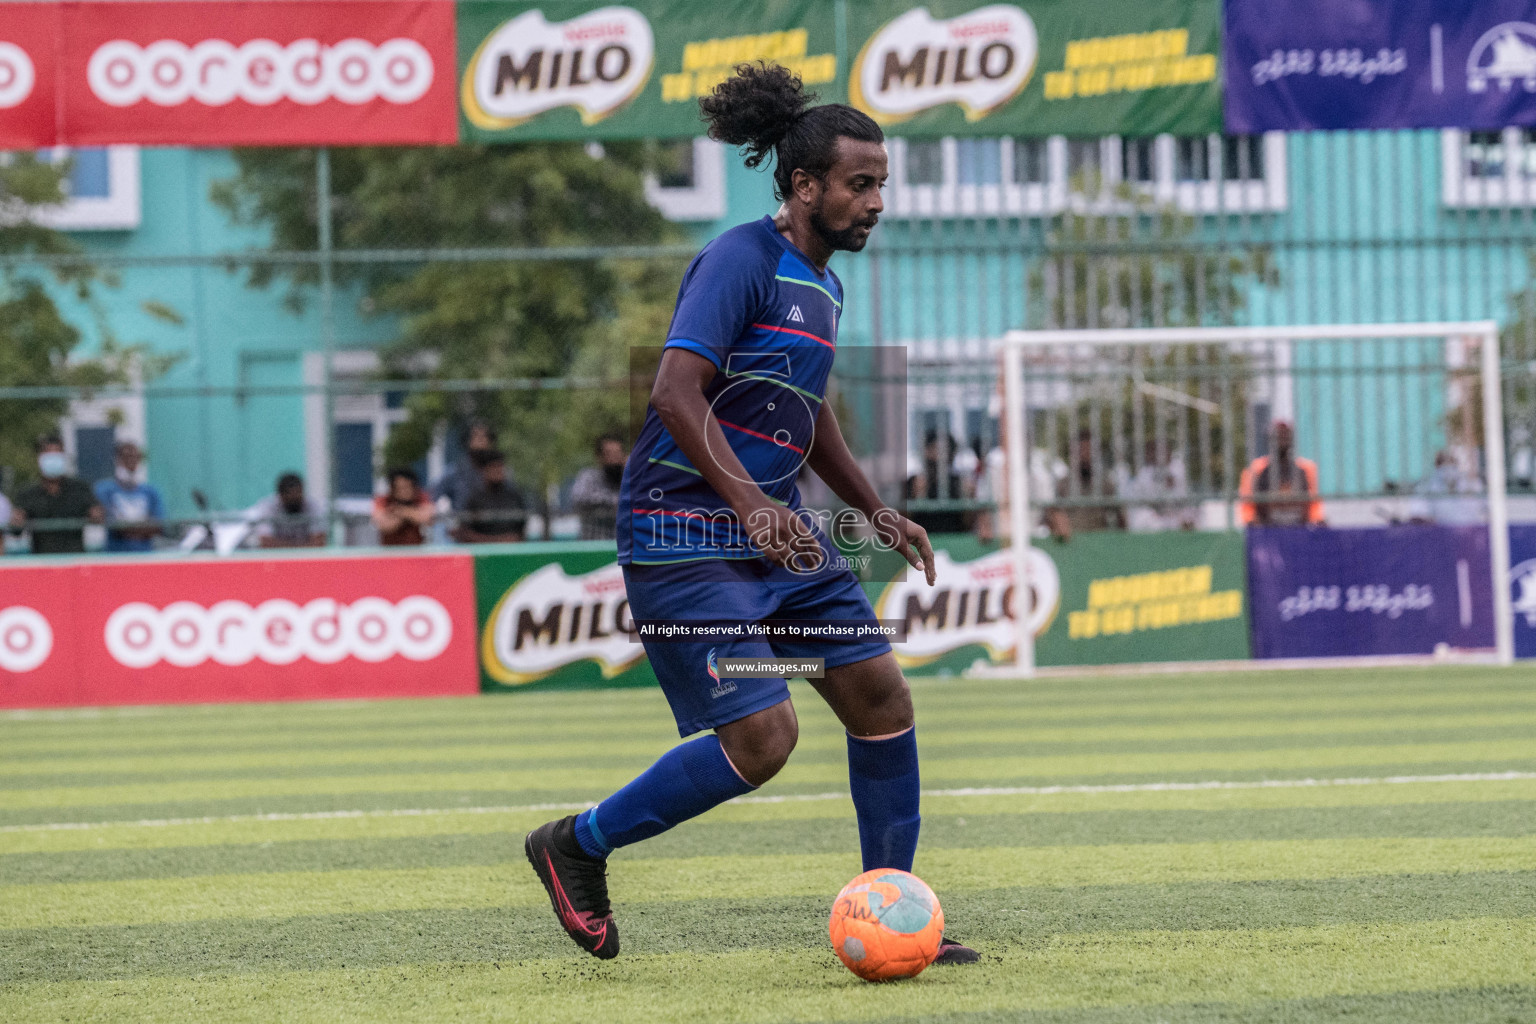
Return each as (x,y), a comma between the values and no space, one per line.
(1154,492)
(1085,480)
(288,518)
(402,514)
(496,511)
(595,492)
(938,469)
(1449,495)
(462,479)
(56,495)
(133,506)
(1287,480)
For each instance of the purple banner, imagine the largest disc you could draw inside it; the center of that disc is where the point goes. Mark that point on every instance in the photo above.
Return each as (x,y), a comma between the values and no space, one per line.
(1318,593)
(1294,65)
(1522,578)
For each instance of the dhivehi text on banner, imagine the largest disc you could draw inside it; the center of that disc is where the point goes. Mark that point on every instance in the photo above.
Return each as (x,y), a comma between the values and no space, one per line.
(592,70)
(1038,67)
(1389,590)
(1296,65)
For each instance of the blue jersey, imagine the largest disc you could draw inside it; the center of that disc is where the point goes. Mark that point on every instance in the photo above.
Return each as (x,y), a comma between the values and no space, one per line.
(756,307)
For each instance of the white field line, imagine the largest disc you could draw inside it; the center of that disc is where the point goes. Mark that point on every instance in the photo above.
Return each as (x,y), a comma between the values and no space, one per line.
(788,798)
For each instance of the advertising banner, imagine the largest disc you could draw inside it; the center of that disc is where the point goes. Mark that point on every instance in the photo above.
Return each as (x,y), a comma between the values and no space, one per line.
(1098,599)
(151,632)
(28,35)
(594,70)
(1039,67)
(1296,65)
(1392,590)
(38,638)
(282,72)
(554,616)
(1522,580)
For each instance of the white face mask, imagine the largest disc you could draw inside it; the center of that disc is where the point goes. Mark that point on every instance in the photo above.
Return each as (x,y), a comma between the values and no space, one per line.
(131,477)
(53,464)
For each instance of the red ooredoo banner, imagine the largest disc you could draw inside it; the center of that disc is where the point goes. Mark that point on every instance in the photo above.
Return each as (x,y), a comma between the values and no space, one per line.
(280,72)
(27,38)
(273,629)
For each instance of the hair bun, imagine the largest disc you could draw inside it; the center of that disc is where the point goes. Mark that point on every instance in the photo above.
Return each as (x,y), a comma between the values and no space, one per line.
(755,108)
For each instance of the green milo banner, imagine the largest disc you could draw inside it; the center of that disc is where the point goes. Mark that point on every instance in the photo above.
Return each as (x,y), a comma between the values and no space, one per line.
(577,69)
(555,615)
(583,69)
(1098,599)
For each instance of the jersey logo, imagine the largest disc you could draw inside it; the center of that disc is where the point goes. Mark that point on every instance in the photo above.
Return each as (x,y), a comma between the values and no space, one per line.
(795,315)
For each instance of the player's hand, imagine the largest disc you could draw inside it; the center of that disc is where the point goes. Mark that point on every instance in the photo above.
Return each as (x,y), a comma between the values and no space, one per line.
(784,538)
(907,539)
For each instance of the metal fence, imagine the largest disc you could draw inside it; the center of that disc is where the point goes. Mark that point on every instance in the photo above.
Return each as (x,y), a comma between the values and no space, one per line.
(979,237)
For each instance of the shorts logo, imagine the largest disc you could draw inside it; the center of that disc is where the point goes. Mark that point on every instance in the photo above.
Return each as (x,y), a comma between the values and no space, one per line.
(722,686)
(26,639)
(17,75)
(370,629)
(215,72)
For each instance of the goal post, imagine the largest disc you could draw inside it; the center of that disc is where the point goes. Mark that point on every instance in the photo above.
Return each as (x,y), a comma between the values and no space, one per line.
(1348,368)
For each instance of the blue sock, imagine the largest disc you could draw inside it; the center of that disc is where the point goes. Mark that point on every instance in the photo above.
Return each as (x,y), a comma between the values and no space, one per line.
(882,775)
(687,781)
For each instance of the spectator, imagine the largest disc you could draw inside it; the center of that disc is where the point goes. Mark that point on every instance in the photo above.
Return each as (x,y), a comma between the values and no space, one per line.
(404,512)
(1154,492)
(134,507)
(496,511)
(1084,480)
(595,491)
(1286,480)
(288,518)
(1449,495)
(463,478)
(939,463)
(57,495)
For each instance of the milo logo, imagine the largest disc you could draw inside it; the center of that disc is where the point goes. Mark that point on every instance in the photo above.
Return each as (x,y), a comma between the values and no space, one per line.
(980,60)
(547,620)
(970,603)
(596,63)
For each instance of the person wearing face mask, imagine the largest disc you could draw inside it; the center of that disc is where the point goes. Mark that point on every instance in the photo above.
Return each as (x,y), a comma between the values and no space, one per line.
(133,506)
(595,491)
(56,496)
(288,519)
(496,512)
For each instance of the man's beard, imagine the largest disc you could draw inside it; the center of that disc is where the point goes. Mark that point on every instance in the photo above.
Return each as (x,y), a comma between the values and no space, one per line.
(843,240)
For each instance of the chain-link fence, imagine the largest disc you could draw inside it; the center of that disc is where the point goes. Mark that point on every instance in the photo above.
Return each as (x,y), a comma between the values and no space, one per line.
(338,315)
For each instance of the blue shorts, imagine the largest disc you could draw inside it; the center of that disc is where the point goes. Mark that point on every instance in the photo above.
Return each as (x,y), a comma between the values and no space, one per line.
(745,590)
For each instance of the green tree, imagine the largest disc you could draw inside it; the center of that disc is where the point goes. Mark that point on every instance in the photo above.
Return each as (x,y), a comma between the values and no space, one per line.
(533,320)
(37,343)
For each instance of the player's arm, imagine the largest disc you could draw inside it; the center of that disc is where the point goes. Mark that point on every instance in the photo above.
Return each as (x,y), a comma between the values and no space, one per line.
(831,460)
(678,398)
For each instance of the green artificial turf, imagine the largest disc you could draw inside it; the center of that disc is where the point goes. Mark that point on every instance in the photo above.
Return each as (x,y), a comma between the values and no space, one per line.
(362,861)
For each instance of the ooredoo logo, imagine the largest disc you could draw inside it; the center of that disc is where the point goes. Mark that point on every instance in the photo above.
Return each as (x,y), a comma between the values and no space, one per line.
(185,634)
(215,72)
(26,639)
(17,75)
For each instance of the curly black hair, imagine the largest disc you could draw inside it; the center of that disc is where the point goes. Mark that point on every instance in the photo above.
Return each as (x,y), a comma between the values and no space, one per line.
(765,109)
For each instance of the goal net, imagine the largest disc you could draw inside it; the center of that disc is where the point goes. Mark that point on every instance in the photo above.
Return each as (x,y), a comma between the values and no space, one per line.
(1300,436)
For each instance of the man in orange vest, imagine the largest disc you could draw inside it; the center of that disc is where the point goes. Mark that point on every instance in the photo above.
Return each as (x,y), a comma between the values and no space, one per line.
(1285,485)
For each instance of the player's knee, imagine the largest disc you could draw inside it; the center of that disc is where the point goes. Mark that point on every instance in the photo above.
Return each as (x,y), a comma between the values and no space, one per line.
(887,709)
(760,745)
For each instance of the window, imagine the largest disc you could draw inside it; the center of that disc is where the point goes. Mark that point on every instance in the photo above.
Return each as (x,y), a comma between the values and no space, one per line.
(687,180)
(979,161)
(1192,159)
(1489,168)
(925,163)
(1139,161)
(1041,176)
(103,190)
(1029,161)
(1242,157)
